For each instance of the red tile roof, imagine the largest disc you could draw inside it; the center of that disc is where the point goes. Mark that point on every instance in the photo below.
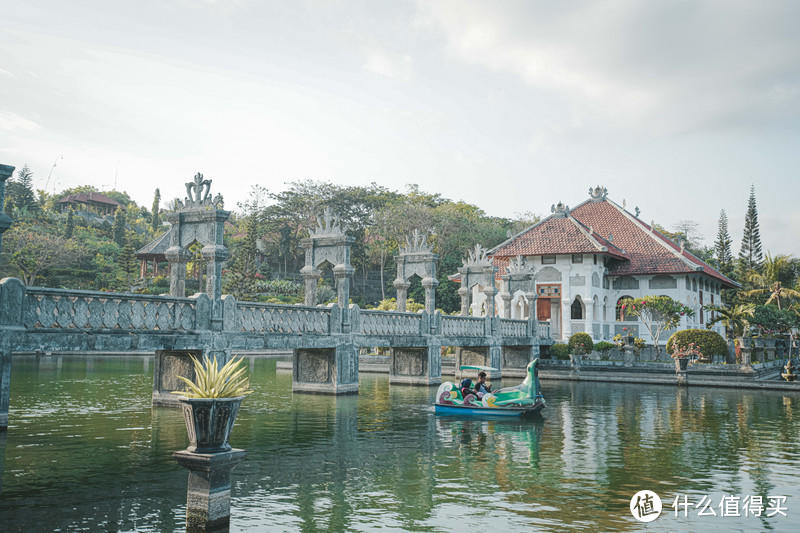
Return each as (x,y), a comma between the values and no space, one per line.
(90,197)
(603,227)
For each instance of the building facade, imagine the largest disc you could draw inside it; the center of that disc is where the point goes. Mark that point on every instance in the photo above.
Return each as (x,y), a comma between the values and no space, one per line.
(587,259)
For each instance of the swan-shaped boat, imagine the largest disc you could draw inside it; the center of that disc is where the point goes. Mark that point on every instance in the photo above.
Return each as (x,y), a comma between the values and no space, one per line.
(523,400)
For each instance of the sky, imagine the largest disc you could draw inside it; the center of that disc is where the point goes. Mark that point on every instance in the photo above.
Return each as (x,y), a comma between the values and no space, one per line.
(676,107)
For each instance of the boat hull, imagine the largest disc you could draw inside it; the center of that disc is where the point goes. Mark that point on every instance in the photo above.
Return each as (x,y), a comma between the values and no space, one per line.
(493,412)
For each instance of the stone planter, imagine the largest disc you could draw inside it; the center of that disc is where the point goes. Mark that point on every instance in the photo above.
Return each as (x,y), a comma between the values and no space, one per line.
(681,364)
(209,422)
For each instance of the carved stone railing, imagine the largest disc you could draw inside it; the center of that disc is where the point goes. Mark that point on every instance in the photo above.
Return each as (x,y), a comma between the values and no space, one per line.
(390,323)
(510,327)
(543,329)
(275,318)
(46,308)
(463,326)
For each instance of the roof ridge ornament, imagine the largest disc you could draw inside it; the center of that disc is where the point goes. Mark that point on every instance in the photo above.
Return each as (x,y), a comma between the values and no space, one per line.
(559,209)
(518,265)
(598,193)
(328,225)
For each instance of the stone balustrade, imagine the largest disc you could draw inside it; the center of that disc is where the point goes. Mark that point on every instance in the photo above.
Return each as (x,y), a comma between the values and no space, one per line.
(46,308)
(463,326)
(288,319)
(510,327)
(390,323)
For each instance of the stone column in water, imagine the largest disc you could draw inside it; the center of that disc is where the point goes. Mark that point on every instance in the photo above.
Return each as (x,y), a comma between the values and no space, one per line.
(12,295)
(5,221)
(208,495)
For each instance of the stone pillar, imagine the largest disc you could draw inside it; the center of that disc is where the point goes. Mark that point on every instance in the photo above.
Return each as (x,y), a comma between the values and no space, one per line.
(208,495)
(506,311)
(332,370)
(566,319)
(490,293)
(177,258)
(463,293)
(342,275)
(310,278)
(12,299)
(416,365)
(430,284)
(215,254)
(402,293)
(5,221)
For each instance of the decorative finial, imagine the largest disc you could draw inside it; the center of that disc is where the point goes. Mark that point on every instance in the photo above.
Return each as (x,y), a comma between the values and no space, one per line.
(598,193)
(682,243)
(636,210)
(623,203)
(610,237)
(198,193)
(417,243)
(476,257)
(328,225)
(559,209)
(519,266)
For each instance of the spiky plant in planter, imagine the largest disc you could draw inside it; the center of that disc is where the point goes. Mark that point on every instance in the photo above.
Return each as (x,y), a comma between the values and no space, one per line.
(211,403)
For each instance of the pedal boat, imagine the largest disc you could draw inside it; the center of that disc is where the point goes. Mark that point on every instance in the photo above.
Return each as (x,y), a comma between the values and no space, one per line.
(523,400)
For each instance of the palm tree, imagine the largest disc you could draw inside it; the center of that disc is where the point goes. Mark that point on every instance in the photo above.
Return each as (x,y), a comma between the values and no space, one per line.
(777,270)
(736,319)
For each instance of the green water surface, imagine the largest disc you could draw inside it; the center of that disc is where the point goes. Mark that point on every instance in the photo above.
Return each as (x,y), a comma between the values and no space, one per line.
(86,452)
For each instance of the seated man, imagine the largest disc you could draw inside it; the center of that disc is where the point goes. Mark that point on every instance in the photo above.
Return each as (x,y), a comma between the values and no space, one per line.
(481,387)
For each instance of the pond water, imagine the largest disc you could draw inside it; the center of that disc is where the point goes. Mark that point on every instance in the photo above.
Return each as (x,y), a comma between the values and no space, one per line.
(86,452)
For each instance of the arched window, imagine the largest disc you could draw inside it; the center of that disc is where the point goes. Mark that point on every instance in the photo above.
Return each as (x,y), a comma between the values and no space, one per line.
(595,310)
(605,307)
(576,312)
(619,317)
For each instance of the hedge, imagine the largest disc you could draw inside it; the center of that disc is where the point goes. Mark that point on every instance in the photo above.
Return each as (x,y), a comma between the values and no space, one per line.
(559,351)
(604,346)
(575,344)
(708,342)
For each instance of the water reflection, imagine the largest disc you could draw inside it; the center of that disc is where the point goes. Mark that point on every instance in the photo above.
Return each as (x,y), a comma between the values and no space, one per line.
(87,452)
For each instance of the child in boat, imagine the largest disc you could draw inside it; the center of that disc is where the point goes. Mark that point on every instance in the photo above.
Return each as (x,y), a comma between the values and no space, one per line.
(481,387)
(466,387)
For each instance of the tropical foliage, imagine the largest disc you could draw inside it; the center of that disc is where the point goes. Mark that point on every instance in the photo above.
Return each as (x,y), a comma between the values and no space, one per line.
(657,314)
(213,381)
(709,343)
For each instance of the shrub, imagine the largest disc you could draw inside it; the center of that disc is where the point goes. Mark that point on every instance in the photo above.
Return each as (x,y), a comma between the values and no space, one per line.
(559,351)
(709,342)
(604,346)
(580,343)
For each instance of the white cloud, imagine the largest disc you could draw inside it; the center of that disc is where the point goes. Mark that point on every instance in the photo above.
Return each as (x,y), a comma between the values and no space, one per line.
(396,66)
(12,122)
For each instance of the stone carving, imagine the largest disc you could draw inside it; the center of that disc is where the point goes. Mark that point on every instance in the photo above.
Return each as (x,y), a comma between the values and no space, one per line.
(519,266)
(559,209)
(417,243)
(598,193)
(198,194)
(477,257)
(328,225)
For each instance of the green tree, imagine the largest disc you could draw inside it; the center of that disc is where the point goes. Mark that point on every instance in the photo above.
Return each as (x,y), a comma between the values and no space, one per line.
(127,264)
(722,246)
(736,319)
(20,191)
(33,250)
(777,273)
(751,256)
(156,220)
(241,280)
(657,314)
(118,230)
(70,227)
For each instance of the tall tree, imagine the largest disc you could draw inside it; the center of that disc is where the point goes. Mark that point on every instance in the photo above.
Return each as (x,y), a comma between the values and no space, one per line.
(156,220)
(751,255)
(241,281)
(20,191)
(70,228)
(118,231)
(722,246)
(127,263)
(33,250)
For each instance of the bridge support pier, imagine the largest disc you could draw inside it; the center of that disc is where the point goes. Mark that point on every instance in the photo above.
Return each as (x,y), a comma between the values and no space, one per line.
(326,370)
(5,384)
(516,359)
(416,366)
(12,296)
(491,355)
(169,364)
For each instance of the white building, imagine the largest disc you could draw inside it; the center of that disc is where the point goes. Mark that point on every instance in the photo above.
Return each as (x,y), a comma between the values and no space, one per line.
(588,258)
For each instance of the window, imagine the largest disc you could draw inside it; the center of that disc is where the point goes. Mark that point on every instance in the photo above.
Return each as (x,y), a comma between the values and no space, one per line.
(576,312)
(548,260)
(595,259)
(577,258)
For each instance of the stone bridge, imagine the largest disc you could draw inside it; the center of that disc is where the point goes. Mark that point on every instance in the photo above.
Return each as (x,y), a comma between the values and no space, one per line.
(325,340)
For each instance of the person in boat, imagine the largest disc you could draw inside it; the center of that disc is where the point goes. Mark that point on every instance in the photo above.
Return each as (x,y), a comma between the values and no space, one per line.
(466,387)
(481,387)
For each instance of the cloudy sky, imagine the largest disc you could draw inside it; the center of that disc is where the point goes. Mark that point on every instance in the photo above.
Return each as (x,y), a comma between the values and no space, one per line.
(675,106)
